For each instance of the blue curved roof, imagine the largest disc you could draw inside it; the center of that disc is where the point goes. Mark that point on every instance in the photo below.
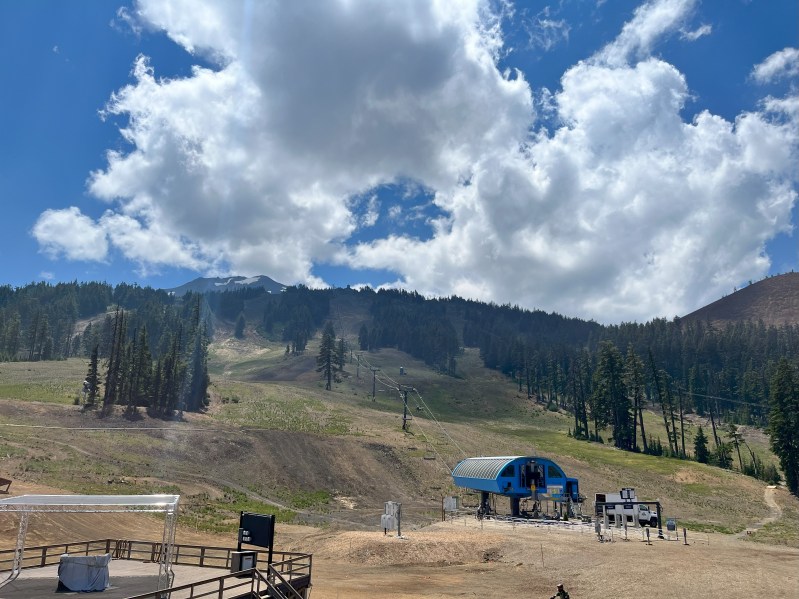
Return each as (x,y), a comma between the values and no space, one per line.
(515,476)
(483,468)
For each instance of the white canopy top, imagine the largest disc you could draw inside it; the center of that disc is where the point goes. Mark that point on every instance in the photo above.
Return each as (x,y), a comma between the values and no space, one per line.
(25,505)
(90,503)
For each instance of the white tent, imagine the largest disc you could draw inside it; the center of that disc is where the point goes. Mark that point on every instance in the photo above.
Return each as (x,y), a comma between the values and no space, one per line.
(96,504)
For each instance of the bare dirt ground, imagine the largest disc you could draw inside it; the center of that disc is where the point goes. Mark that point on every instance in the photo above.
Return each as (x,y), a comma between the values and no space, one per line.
(469,558)
(463,559)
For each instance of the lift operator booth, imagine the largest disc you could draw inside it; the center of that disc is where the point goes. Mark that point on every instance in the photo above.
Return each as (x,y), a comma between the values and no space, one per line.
(96,504)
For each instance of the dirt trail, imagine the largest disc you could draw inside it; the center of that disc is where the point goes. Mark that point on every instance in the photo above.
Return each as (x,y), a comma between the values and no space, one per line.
(775,512)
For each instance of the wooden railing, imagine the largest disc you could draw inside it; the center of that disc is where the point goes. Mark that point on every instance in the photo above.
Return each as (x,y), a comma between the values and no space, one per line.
(48,555)
(257,583)
(240,584)
(144,551)
(287,572)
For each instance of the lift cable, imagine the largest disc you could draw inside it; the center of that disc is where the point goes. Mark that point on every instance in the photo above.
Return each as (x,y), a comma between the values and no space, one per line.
(443,430)
(398,387)
(737,401)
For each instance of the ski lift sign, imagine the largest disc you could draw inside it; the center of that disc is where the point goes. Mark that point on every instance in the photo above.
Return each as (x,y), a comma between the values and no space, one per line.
(257,529)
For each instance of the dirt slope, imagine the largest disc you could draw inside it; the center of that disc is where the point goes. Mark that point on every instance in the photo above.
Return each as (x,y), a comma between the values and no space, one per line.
(775,301)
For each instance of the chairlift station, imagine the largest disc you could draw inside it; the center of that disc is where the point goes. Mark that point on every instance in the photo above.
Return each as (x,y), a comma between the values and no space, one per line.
(516,477)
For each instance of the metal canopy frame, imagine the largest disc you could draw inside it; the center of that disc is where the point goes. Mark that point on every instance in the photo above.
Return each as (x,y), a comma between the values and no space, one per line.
(96,504)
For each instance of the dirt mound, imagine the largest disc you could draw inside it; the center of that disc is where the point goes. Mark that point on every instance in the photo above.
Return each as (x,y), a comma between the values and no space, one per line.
(427,546)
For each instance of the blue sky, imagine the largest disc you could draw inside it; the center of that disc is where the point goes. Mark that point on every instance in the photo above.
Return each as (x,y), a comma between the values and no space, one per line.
(613,159)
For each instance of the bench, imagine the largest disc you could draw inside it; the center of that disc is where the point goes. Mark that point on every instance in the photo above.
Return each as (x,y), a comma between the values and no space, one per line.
(7,483)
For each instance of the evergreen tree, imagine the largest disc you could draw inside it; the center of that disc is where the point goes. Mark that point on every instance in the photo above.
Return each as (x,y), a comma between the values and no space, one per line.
(634,380)
(92,384)
(701,453)
(114,372)
(90,339)
(363,338)
(141,371)
(341,353)
(610,400)
(198,372)
(722,456)
(240,322)
(326,360)
(33,335)
(11,336)
(660,380)
(735,441)
(784,421)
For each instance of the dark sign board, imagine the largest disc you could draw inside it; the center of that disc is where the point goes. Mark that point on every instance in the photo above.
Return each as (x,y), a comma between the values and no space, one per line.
(257,529)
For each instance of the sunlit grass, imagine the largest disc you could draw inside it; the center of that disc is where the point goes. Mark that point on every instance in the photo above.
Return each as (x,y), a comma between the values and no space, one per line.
(48,381)
(220,515)
(278,407)
(487,409)
(784,531)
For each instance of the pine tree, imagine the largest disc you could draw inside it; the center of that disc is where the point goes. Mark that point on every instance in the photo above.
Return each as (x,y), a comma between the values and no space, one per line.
(784,421)
(723,455)
(113,377)
(93,378)
(11,336)
(140,372)
(198,372)
(701,453)
(240,322)
(610,402)
(326,360)
(660,378)
(634,380)
(341,353)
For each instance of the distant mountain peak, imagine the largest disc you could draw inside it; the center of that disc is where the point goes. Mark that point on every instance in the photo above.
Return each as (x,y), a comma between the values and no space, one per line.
(208,285)
(774,300)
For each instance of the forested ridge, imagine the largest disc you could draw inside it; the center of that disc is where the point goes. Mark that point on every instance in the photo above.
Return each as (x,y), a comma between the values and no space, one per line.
(744,372)
(146,349)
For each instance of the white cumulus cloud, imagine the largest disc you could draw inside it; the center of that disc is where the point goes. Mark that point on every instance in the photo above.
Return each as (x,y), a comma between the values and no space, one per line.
(70,234)
(651,21)
(622,210)
(694,35)
(784,63)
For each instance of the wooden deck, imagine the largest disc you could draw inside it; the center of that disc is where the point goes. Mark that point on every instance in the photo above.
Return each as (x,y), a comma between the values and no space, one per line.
(202,571)
(127,578)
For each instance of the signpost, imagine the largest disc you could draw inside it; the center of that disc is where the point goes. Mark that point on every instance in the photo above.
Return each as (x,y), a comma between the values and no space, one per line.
(258,530)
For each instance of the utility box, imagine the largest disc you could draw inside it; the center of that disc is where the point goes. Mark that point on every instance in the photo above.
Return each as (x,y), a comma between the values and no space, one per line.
(450,504)
(671,524)
(393,508)
(242,560)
